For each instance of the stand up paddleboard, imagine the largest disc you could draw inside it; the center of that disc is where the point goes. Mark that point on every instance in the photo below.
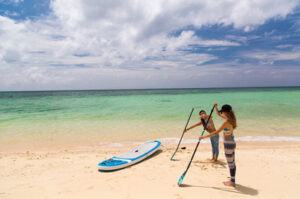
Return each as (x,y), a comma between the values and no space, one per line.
(130,157)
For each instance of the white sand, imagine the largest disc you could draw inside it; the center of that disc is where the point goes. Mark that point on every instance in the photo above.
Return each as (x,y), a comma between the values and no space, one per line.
(264,170)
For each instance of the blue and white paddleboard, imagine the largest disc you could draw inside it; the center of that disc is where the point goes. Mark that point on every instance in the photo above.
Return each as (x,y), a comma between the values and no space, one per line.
(130,157)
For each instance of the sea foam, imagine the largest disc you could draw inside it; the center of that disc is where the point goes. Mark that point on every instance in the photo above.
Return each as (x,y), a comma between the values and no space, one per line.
(244,138)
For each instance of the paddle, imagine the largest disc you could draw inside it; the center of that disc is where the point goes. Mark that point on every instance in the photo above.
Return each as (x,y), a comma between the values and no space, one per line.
(182,176)
(183,133)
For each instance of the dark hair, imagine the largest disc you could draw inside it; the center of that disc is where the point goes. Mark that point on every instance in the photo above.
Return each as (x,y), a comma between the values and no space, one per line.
(227,109)
(201,112)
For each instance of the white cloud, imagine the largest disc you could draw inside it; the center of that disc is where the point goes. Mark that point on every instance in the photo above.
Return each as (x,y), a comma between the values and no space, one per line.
(147,18)
(119,36)
(8,13)
(270,57)
(285,46)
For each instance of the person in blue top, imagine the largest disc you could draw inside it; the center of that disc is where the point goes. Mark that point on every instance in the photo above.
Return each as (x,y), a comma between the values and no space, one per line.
(210,128)
(227,127)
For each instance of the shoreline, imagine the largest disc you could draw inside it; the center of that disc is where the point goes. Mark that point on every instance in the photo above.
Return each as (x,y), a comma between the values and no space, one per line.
(126,145)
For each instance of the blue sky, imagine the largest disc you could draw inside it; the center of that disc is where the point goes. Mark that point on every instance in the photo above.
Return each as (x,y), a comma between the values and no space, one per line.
(160,44)
(24,9)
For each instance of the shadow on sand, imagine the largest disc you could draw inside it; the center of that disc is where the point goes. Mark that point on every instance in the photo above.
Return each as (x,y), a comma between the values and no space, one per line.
(240,189)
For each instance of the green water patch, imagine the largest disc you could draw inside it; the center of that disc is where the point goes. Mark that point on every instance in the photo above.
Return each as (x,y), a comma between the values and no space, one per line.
(262,110)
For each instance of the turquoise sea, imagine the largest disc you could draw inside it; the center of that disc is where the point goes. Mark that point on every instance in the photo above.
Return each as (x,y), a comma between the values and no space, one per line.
(96,116)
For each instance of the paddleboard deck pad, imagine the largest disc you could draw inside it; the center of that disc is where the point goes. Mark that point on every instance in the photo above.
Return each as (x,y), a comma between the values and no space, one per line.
(130,157)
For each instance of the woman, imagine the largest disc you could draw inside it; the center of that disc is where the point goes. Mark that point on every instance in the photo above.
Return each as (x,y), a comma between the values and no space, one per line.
(229,144)
(210,128)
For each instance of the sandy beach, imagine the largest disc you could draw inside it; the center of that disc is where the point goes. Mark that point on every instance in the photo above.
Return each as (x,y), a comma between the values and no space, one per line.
(264,170)
(83,81)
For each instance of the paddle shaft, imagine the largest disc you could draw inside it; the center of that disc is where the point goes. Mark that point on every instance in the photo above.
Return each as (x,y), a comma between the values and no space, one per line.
(183,133)
(205,125)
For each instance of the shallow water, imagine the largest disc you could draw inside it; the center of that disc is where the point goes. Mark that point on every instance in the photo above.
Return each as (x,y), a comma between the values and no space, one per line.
(136,115)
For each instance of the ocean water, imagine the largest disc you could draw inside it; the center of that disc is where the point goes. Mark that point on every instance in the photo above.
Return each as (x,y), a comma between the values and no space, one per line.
(135,115)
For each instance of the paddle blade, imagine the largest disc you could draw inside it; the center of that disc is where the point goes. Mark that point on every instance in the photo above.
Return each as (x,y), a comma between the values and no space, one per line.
(180,180)
(202,133)
(172,156)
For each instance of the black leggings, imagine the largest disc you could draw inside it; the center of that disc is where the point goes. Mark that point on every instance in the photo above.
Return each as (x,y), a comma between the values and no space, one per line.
(229,148)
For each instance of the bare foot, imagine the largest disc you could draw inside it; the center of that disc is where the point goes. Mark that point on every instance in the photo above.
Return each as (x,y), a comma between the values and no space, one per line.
(229,183)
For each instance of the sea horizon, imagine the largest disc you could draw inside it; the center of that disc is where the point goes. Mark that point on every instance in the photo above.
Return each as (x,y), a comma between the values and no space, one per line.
(163,88)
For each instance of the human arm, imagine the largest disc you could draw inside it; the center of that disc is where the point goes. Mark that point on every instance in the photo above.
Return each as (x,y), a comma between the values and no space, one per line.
(198,124)
(217,111)
(214,132)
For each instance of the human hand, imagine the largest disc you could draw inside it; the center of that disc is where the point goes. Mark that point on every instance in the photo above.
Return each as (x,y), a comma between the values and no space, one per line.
(215,105)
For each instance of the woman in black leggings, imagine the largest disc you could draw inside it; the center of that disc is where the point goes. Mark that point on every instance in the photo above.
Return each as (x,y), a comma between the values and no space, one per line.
(229,144)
